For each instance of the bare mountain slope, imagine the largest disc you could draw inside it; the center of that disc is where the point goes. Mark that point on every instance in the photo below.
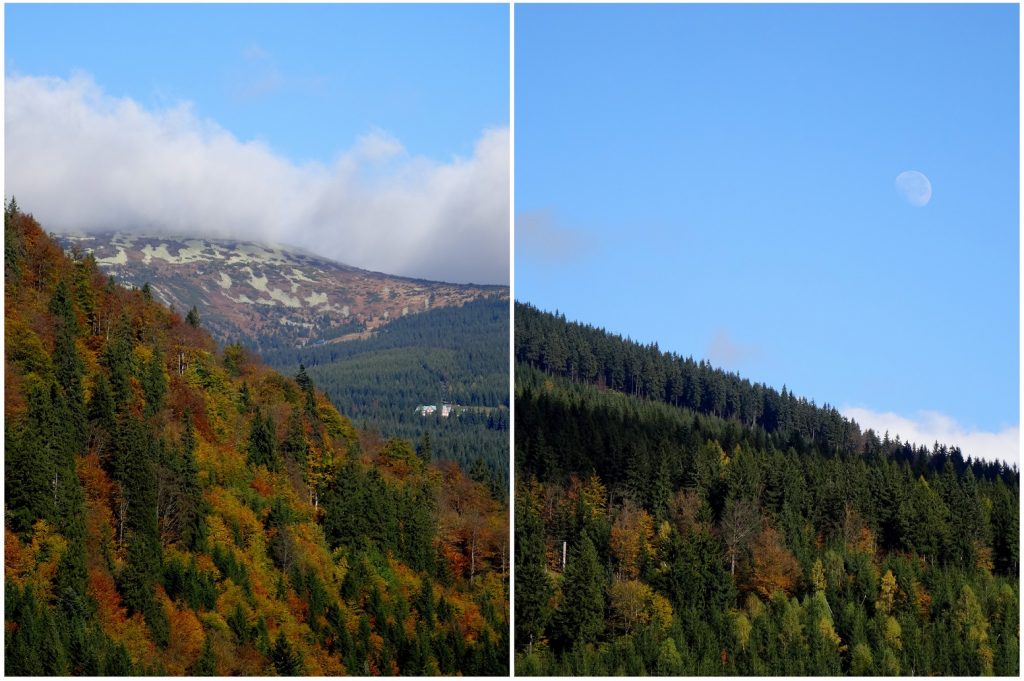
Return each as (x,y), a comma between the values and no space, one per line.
(268,296)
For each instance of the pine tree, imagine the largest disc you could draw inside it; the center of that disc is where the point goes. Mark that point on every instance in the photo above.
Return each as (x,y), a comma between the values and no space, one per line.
(70,580)
(14,243)
(206,665)
(425,602)
(308,391)
(85,296)
(193,504)
(154,382)
(424,450)
(117,358)
(1005,529)
(262,447)
(661,489)
(295,447)
(30,468)
(135,471)
(69,367)
(580,619)
(101,411)
(33,647)
(116,661)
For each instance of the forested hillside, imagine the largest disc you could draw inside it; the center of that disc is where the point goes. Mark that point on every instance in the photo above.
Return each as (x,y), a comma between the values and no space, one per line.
(173,507)
(675,519)
(453,354)
(379,346)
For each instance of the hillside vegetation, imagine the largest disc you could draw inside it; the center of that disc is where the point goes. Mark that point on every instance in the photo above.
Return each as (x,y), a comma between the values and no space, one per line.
(265,296)
(177,508)
(453,354)
(379,346)
(674,519)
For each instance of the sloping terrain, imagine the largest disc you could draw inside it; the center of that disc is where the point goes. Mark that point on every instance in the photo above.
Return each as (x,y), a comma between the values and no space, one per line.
(378,345)
(673,519)
(268,297)
(453,355)
(174,507)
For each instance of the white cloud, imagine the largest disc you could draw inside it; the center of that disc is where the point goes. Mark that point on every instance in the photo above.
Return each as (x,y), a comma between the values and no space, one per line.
(929,427)
(82,160)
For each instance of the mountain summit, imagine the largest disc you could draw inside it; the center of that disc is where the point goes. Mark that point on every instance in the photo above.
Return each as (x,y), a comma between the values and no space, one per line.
(268,296)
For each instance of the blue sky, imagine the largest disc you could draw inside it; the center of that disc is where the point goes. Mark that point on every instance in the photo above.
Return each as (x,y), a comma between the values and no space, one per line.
(309,79)
(414,97)
(722,180)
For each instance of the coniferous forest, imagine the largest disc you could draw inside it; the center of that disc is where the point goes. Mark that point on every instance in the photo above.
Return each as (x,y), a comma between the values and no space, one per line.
(173,507)
(674,519)
(457,355)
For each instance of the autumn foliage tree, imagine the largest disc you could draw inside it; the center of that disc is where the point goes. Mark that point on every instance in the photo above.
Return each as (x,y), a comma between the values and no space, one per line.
(773,567)
(782,538)
(174,509)
(631,540)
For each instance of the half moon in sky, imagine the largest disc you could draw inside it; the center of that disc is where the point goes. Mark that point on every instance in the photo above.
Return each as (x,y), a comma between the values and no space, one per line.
(914,187)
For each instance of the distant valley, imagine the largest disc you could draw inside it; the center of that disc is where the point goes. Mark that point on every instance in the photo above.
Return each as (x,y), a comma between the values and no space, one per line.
(378,345)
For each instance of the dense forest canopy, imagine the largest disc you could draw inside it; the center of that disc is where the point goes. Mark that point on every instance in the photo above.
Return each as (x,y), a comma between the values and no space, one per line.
(714,526)
(586,354)
(453,354)
(173,507)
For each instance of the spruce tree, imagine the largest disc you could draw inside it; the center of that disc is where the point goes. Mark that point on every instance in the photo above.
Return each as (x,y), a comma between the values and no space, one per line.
(580,619)
(154,382)
(308,391)
(30,469)
(69,367)
(424,450)
(206,665)
(193,503)
(262,446)
(33,647)
(295,446)
(135,471)
(533,588)
(85,295)
(100,414)
(117,358)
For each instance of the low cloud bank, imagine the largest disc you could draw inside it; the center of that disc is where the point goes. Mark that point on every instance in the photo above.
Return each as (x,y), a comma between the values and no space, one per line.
(930,427)
(82,160)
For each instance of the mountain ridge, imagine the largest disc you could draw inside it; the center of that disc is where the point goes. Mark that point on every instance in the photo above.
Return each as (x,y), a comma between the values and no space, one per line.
(580,351)
(268,296)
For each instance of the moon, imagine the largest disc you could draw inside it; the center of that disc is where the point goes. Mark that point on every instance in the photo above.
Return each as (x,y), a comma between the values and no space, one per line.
(914,187)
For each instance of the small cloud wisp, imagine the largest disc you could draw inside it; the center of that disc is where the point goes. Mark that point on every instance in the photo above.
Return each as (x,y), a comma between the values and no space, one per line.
(724,351)
(540,237)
